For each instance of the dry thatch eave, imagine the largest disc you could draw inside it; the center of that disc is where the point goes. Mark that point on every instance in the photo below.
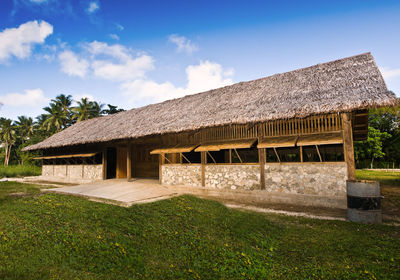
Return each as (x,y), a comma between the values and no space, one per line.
(339,86)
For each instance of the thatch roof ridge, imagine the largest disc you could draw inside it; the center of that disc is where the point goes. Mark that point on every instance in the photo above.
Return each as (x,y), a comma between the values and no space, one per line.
(337,86)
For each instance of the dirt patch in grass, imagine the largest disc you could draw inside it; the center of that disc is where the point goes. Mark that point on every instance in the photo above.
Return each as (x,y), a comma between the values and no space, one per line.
(391,202)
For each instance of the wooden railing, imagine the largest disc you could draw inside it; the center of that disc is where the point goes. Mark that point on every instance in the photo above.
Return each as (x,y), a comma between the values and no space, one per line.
(297,126)
(313,124)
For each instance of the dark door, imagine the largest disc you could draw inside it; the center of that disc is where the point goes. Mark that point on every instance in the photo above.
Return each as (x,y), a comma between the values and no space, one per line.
(111,163)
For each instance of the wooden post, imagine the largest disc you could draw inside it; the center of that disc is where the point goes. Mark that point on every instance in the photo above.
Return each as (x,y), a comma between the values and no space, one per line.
(301,153)
(104,161)
(203,169)
(348,146)
(261,158)
(129,162)
(160,163)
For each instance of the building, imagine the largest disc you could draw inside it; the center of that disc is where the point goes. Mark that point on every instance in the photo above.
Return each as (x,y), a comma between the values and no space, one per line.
(290,134)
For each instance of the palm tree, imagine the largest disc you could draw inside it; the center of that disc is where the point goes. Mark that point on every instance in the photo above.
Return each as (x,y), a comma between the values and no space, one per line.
(25,128)
(65,102)
(56,117)
(96,110)
(112,110)
(82,111)
(7,137)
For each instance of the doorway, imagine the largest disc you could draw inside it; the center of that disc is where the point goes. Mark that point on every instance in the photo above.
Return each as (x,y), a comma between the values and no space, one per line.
(121,162)
(111,163)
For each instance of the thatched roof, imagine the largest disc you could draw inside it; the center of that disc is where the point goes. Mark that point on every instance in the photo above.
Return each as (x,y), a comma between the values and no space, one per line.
(338,86)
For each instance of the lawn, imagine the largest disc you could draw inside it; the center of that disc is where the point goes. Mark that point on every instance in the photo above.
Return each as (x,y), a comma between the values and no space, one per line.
(20,170)
(49,236)
(387,178)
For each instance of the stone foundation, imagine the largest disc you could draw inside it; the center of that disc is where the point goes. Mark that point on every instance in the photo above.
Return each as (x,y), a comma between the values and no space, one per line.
(328,179)
(189,175)
(73,172)
(316,184)
(234,177)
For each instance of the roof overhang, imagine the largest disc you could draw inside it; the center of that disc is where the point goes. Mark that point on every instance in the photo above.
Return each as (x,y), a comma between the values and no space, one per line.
(175,149)
(217,146)
(67,156)
(320,139)
(278,142)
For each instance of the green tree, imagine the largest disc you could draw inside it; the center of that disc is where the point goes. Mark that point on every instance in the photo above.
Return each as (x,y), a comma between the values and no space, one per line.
(25,128)
(372,147)
(8,137)
(387,119)
(82,111)
(55,119)
(65,102)
(112,110)
(96,109)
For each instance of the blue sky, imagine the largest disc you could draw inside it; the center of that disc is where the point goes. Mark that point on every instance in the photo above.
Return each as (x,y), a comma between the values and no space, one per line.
(132,53)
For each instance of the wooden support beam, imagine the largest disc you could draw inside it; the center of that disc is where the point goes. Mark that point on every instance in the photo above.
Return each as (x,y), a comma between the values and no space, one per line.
(277,156)
(129,162)
(160,163)
(211,157)
(261,158)
(348,146)
(301,153)
(104,161)
(183,156)
(203,168)
(237,154)
(319,154)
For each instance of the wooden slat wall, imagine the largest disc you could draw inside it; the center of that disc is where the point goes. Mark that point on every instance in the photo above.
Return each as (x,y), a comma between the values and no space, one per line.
(312,124)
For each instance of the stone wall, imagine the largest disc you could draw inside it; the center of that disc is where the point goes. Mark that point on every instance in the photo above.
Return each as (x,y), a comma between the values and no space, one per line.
(47,170)
(241,177)
(74,171)
(326,179)
(60,171)
(90,172)
(189,175)
(93,172)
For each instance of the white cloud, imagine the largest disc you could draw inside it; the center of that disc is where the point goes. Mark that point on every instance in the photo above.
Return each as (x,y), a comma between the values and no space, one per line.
(100,48)
(150,91)
(119,26)
(72,65)
(93,7)
(114,36)
(207,75)
(204,76)
(133,68)
(390,73)
(115,62)
(109,62)
(78,97)
(182,43)
(19,41)
(39,1)
(31,98)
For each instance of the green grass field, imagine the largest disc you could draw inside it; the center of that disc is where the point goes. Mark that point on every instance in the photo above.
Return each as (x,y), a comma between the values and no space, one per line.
(388,178)
(19,171)
(49,236)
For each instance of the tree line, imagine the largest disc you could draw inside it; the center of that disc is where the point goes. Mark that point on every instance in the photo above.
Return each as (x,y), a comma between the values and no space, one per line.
(60,114)
(382,144)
